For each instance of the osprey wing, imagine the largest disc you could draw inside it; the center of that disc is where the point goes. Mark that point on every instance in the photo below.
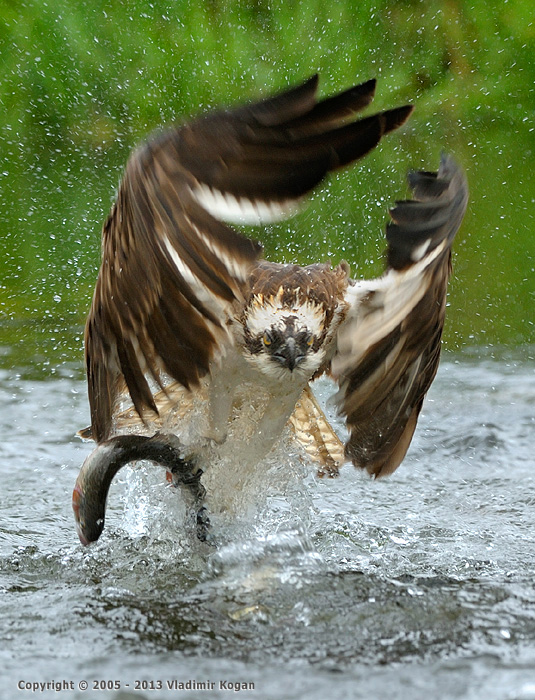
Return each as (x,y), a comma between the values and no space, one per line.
(171,270)
(389,346)
(316,435)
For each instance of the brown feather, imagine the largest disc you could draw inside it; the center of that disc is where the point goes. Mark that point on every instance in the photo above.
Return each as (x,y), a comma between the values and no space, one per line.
(383,383)
(260,163)
(319,282)
(171,273)
(315,434)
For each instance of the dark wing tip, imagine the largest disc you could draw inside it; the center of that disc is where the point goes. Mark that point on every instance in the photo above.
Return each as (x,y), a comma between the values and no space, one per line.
(386,460)
(85,433)
(430,185)
(435,214)
(394,118)
(363,91)
(369,85)
(284,106)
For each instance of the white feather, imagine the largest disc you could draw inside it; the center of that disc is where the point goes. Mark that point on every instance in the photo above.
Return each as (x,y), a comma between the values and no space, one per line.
(265,313)
(419,252)
(227,207)
(237,270)
(377,307)
(203,294)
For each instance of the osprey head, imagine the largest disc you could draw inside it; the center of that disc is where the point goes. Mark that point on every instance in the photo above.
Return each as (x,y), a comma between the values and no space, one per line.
(285,342)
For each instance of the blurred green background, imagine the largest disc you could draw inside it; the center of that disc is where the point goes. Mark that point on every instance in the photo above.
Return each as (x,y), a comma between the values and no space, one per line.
(83,82)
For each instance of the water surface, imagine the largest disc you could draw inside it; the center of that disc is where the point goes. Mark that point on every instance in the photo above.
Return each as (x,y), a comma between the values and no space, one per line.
(418,586)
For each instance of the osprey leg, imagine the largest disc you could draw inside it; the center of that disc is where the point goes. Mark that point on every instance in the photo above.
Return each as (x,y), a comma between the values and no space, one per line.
(183,473)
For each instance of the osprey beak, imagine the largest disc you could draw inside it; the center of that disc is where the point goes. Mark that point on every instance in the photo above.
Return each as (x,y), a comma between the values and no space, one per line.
(290,354)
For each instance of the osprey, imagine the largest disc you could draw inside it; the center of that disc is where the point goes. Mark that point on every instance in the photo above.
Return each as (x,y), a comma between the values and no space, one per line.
(216,347)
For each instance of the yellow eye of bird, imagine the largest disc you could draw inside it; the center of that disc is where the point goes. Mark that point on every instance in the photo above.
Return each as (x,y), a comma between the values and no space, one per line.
(310,340)
(266,339)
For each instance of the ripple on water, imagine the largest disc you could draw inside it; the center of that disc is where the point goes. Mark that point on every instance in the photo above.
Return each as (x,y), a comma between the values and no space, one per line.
(423,580)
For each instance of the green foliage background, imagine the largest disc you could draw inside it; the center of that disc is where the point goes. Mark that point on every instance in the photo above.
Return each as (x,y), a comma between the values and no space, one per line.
(83,82)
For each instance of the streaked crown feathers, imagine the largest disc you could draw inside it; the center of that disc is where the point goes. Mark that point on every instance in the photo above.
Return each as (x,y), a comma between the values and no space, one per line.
(264,312)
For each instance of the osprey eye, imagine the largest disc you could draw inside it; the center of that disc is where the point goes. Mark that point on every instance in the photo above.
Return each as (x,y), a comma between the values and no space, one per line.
(310,339)
(267,339)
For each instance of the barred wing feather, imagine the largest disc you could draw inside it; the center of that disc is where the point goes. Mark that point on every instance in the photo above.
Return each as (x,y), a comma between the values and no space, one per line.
(389,346)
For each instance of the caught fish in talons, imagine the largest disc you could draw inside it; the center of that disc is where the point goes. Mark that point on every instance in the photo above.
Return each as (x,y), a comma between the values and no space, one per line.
(100,467)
